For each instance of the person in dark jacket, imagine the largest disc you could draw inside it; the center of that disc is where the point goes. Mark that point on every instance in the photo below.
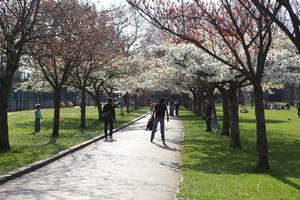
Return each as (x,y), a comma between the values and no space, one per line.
(159,113)
(209,111)
(109,116)
(177,105)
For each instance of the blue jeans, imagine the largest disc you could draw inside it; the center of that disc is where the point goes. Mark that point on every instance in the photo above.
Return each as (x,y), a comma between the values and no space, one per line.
(162,128)
(37,125)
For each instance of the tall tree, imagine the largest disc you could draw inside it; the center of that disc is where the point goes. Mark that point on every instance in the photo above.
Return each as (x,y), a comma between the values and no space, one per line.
(57,54)
(245,35)
(101,47)
(17,22)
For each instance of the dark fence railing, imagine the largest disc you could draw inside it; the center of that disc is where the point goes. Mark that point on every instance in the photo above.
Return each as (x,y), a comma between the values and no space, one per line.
(25,100)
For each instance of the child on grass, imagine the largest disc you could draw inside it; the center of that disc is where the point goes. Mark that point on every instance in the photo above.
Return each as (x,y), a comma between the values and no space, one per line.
(38,117)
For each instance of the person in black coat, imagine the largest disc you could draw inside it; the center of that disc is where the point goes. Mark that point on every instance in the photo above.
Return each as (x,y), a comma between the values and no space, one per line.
(109,116)
(158,115)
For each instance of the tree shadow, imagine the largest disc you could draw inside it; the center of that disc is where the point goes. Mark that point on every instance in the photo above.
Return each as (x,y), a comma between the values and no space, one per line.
(213,155)
(165,146)
(267,121)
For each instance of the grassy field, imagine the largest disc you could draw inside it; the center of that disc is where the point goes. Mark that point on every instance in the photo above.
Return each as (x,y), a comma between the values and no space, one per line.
(27,147)
(213,170)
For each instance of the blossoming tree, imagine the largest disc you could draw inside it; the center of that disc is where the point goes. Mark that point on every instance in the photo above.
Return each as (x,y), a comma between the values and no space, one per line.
(245,35)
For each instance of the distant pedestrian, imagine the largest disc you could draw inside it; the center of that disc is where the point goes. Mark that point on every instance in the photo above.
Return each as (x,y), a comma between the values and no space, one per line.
(159,112)
(172,107)
(209,111)
(109,117)
(38,117)
(252,103)
(298,107)
(177,105)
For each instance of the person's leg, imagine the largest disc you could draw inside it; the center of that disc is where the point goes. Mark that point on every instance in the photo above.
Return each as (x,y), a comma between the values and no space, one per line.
(208,127)
(36,125)
(162,129)
(105,127)
(177,110)
(111,126)
(154,128)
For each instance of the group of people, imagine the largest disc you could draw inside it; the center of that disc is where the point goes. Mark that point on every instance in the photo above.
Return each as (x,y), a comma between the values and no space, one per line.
(270,106)
(160,110)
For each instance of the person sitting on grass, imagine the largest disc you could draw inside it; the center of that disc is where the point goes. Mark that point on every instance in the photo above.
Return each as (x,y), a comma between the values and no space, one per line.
(243,109)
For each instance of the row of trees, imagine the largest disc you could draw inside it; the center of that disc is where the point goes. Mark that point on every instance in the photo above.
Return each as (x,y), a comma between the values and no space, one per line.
(237,35)
(222,45)
(65,43)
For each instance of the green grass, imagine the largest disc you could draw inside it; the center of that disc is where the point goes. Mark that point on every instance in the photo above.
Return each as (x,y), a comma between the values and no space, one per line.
(27,147)
(213,170)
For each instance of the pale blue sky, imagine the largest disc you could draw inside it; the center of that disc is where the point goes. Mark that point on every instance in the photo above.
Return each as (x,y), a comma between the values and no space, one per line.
(107,3)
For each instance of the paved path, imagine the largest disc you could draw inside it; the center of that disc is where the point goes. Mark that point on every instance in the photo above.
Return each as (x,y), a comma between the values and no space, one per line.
(127,167)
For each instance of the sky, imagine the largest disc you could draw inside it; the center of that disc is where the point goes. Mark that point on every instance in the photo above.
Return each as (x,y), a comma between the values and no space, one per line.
(108,3)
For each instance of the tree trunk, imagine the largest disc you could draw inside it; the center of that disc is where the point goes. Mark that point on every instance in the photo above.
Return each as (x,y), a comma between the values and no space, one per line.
(122,105)
(135,98)
(83,108)
(5,86)
(226,112)
(99,106)
(190,104)
(261,136)
(241,96)
(194,106)
(4,139)
(126,99)
(199,102)
(292,94)
(235,129)
(56,117)
(210,96)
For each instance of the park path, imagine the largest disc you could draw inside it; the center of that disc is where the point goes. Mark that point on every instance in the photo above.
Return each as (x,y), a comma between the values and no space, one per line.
(127,167)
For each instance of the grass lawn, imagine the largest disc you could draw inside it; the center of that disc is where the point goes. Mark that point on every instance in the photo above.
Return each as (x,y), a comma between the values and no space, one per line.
(213,170)
(27,148)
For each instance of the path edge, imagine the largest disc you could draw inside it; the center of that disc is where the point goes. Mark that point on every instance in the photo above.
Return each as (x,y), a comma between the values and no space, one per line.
(41,163)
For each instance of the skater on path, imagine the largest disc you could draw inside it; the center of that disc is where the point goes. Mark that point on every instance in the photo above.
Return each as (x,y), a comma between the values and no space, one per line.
(159,113)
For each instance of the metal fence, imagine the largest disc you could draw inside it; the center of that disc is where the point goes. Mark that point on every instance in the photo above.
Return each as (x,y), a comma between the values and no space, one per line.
(25,100)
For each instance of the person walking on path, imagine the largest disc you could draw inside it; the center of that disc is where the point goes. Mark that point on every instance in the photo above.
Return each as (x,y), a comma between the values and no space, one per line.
(159,112)
(209,111)
(109,116)
(177,105)
(38,117)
